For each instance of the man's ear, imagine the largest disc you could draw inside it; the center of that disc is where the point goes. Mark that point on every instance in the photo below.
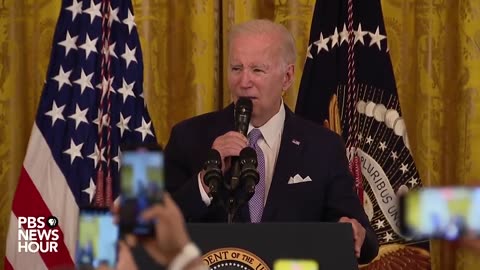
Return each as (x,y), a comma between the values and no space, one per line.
(288,77)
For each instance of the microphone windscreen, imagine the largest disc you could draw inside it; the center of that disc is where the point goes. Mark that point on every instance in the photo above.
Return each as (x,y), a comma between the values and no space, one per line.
(214,155)
(248,153)
(243,104)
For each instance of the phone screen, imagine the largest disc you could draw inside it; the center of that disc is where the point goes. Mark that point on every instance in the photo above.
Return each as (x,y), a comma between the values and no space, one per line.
(142,184)
(97,240)
(295,264)
(447,213)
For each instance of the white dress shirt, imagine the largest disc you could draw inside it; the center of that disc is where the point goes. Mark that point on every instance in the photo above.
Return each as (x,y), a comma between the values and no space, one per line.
(270,144)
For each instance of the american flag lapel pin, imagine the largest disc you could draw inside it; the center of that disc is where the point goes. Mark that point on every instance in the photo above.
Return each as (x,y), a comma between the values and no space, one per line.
(295,142)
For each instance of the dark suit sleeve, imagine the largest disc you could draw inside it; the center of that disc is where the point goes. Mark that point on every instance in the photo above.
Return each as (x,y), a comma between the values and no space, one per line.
(343,201)
(180,179)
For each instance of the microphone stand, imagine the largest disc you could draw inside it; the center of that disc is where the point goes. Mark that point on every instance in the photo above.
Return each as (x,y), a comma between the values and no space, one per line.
(231,203)
(246,175)
(231,209)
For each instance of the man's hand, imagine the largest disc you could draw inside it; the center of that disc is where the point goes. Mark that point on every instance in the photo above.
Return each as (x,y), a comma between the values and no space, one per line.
(229,145)
(358,233)
(171,234)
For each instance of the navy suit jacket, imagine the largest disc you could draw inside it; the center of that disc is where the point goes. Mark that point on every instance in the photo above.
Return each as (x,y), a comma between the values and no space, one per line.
(306,149)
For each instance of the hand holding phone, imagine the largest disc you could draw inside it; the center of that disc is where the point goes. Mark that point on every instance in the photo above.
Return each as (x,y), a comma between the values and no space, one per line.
(97,240)
(444,212)
(142,181)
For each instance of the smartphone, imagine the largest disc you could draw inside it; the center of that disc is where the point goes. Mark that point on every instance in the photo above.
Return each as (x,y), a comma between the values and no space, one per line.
(441,212)
(295,264)
(141,186)
(97,240)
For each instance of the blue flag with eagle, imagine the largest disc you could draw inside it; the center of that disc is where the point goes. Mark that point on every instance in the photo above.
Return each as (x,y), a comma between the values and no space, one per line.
(348,85)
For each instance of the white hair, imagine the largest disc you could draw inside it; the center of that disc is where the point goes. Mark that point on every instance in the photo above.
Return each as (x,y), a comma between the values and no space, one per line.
(263,26)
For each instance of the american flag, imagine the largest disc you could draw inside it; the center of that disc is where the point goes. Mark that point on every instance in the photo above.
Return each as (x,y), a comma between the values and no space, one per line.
(92,102)
(348,80)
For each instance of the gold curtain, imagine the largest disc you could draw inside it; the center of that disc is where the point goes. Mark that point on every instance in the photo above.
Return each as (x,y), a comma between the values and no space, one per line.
(434,44)
(435,49)
(26,31)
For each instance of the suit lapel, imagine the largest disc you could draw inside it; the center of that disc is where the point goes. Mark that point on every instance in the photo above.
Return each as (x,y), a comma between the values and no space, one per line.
(289,157)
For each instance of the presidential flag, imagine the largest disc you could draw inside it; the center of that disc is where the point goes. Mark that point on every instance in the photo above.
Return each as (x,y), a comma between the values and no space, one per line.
(92,102)
(348,85)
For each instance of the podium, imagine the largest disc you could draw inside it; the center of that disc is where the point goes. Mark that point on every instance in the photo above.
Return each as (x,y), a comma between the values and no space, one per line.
(257,246)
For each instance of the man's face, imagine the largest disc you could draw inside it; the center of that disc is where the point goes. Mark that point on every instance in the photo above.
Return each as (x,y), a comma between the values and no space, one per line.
(258,71)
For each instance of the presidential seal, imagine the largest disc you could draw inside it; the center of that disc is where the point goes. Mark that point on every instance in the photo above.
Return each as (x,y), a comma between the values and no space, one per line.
(233,259)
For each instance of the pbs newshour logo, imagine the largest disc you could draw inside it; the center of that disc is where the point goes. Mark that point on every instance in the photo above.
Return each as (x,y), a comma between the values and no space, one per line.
(38,234)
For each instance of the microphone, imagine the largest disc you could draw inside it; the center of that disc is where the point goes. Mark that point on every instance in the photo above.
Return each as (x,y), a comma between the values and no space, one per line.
(213,171)
(249,174)
(242,113)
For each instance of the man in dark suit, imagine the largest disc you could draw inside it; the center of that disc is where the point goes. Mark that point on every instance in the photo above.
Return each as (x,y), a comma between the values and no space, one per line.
(304,175)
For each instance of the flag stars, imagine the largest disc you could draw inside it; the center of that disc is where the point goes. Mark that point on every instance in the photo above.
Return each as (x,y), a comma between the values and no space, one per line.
(111,50)
(144,129)
(334,38)
(123,124)
(62,78)
(388,237)
(106,85)
(84,81)
(129,55)
(56,113)
(359,34)
(360,136)
(74,151)
(380,223)
(382,146)
(322,43)
(394,155)
(89,46)
(69,43)
(113,15)
(404,168)
(369,140)
(90,190)
(75,8)
(97,155)
(344,35)
(338,38)
(117,159)
(103,118)
(126,90)
(309,54)
(130,21)
(413,181)
(376,38)
(79,116)
(93,11)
